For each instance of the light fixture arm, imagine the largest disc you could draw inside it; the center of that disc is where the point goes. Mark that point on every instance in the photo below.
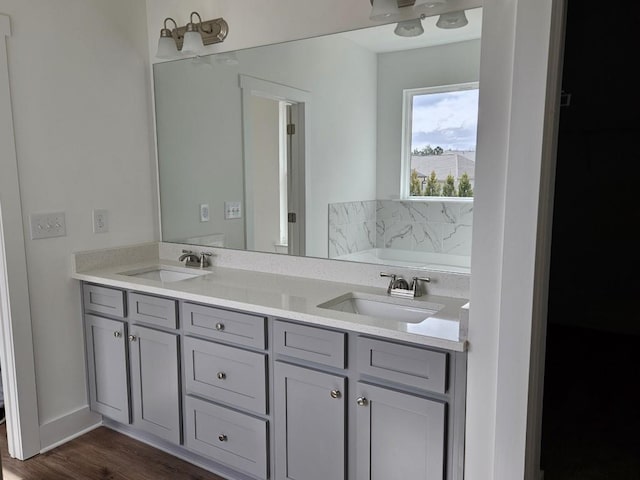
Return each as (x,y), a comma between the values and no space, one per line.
(168,32)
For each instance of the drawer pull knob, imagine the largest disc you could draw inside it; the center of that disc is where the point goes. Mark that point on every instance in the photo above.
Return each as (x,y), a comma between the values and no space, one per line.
(335,394)
(219,326)
(132,338)
(221,375)
(362,401)
(222,437)
(117,334)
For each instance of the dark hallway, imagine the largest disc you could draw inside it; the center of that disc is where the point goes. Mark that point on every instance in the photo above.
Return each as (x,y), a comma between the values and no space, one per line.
(591,416)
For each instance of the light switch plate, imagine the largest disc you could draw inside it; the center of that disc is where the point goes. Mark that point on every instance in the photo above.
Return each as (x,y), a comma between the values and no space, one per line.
(204,212)
(47,225)
(232,210)
(100,221)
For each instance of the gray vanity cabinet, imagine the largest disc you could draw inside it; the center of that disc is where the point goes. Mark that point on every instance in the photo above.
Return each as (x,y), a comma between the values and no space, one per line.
(107,367)
(133,369)
(249,396)
(310,424)
(155,382)
(399,435)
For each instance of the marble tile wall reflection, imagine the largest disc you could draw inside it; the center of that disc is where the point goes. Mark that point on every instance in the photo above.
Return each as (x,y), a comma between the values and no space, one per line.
(437,227)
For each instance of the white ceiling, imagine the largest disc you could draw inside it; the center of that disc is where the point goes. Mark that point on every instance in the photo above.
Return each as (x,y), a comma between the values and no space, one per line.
(382,39)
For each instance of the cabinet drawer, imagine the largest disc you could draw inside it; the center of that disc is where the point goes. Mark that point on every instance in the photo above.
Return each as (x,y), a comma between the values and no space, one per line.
(153,310)
(309,343)
(229,437)
(103,300)
(227,374)
(220,324)
(413,366)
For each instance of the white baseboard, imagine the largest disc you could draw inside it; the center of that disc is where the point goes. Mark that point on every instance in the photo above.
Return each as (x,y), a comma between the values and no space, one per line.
(67,427)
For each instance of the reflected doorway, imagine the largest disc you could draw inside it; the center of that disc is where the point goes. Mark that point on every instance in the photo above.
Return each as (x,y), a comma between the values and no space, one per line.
(273,120)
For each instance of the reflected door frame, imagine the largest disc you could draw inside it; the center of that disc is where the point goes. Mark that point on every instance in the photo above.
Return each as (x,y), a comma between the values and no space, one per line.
(296,148)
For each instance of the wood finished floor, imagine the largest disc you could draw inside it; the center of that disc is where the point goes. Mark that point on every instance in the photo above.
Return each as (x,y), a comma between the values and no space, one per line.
(101,454)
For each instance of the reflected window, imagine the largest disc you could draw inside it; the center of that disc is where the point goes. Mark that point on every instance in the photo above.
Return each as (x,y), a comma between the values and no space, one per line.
(439,141)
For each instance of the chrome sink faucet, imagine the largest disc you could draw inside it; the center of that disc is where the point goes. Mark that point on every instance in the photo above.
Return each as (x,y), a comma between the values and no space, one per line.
(399,287)
(192,259)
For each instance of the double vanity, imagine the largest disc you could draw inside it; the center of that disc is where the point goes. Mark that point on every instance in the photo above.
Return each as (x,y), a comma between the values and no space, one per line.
(256,375)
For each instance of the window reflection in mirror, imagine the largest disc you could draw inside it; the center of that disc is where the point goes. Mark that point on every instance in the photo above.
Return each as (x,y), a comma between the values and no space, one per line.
(214,147)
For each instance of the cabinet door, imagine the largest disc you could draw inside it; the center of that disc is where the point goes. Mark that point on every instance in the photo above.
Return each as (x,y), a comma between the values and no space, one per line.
(107,367)
(154,382)
(399,435)
(310,424)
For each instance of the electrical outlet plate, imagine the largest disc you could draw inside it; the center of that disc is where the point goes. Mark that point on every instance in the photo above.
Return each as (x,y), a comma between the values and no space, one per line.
(204,212)
(232,210)
(47,225)
(100,221)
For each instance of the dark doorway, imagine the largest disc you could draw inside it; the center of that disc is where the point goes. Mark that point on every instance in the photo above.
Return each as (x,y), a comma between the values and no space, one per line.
(591,412)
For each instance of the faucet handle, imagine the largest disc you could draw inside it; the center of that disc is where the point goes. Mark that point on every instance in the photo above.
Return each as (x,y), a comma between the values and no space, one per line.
(393,277)
(204,261)
(414,285)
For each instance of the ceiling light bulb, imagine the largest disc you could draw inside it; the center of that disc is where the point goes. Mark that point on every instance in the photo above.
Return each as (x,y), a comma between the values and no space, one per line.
(409,28)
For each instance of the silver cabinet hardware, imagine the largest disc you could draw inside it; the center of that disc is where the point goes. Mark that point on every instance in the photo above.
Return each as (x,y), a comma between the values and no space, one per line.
(362,401)
(221,375)
(219,326)
(335,394)
(132,338)
(222,437)
(117,334)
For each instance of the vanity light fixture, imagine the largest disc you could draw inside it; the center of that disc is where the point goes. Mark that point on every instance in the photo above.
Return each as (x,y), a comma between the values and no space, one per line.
(191,38)
(452,20)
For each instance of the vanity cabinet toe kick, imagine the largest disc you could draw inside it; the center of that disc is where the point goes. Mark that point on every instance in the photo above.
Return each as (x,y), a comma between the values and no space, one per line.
(254,397)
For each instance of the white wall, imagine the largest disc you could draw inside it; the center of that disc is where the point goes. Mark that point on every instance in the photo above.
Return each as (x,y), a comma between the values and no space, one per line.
(423,67)
(79,75)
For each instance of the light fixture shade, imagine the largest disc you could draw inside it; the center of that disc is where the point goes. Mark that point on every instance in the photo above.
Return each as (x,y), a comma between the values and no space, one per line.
(192,43)
(452,20)
(384,10)
(409,28)
(167,48)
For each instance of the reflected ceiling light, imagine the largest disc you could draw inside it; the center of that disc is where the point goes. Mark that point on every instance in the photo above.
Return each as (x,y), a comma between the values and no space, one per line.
(409,28)
(423,5)
(452,20)
(384,10)
(191,38)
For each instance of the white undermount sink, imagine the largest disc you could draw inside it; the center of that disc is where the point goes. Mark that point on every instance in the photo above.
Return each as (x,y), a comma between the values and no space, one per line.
(167,274)
(385,307)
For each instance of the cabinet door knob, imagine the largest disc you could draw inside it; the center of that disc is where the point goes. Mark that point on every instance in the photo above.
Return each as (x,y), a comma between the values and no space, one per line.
(335,394)
(221,375)
(362,401)
(117,334)
(219,326)
(132,338)
(222,437)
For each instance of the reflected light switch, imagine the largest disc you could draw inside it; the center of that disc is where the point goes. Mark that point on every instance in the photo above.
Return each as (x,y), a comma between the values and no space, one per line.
(232,210)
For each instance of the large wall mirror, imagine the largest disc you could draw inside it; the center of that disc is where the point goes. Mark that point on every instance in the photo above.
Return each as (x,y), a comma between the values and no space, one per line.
(296,148)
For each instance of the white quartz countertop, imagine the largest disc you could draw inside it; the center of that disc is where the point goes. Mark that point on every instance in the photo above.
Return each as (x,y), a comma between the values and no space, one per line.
(293,298)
